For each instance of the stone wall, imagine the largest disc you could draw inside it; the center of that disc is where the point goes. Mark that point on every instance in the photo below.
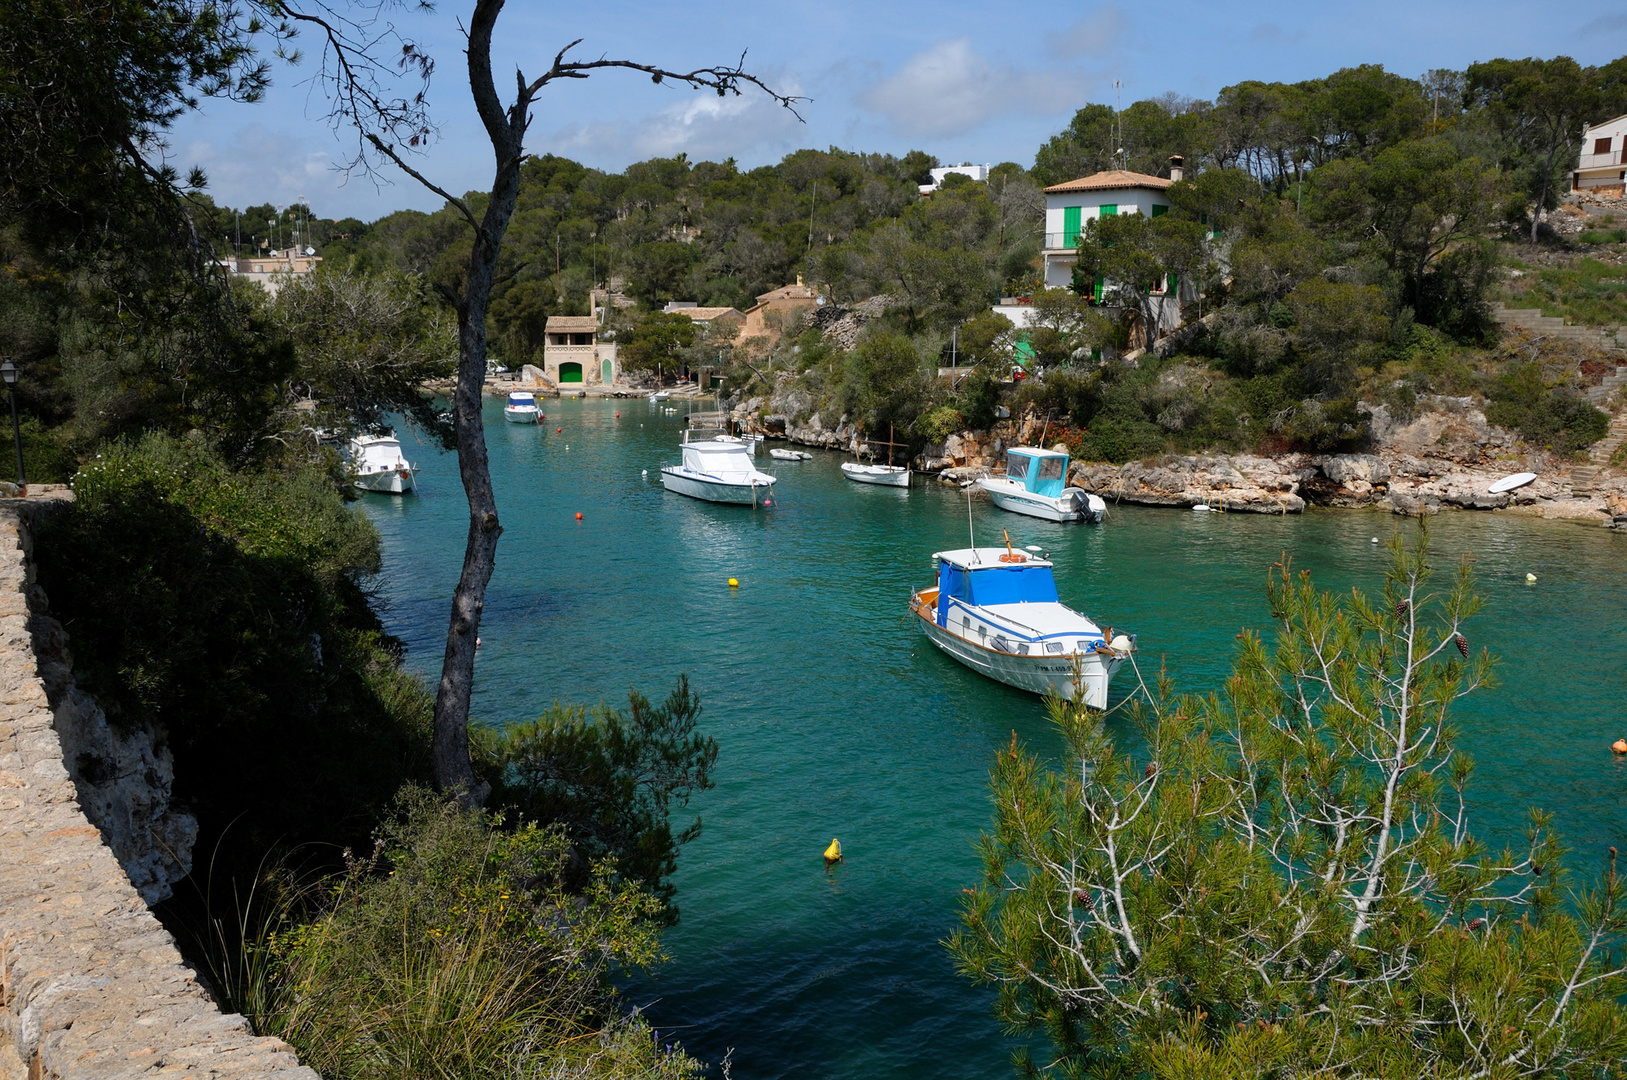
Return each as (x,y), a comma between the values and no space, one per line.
(91,985)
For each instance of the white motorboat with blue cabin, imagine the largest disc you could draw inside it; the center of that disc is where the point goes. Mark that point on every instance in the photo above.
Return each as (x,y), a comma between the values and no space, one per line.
(522,408)
(377,464)
(1035,484)
(718,469)
(997,611)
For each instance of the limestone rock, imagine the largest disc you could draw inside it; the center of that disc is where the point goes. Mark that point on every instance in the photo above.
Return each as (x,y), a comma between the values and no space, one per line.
(125,778)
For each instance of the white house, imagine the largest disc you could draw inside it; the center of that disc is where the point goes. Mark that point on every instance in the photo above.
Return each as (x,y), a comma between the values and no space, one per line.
(1602,163)
(980,173)
(1068,206)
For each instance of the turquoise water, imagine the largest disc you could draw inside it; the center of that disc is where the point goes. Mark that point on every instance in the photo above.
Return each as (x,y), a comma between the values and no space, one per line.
(835,718)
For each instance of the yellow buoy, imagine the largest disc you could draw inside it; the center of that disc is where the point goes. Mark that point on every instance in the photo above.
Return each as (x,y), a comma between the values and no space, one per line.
(1619,746)
(734,583)
(834,852)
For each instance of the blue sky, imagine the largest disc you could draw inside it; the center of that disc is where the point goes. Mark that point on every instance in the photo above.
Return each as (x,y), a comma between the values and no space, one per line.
(964,81)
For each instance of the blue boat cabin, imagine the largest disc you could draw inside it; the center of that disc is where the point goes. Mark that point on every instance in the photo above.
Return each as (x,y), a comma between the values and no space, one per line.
(1041,472)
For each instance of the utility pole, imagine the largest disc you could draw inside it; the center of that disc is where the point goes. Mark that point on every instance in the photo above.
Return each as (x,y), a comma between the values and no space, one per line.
(813,199)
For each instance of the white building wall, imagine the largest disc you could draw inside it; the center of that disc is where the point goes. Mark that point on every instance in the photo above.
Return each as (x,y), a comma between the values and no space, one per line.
(1600,165)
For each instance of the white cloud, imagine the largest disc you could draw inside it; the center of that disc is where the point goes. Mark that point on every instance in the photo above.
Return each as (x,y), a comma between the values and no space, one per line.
(260,166)
(950,89)
(1098,34)
(704,126)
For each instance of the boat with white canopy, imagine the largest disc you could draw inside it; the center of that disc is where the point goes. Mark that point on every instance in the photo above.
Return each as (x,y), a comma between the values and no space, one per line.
(522,408)
(997,611)
(377,464)
(717,469)
(1035,484)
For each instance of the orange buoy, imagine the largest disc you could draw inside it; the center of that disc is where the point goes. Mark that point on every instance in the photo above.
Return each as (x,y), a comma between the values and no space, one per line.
(1619,746)
(579,515)
(557,430)
(618,416)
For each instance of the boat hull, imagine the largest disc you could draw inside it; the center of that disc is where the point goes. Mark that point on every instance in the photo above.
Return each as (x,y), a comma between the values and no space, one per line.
(520,416)
(392,482)
(1012,497)
(1044,674)
(875,474)
(698,487)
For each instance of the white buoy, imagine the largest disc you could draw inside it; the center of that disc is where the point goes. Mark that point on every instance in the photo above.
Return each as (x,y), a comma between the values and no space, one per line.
(1375,539)
(1530,579)
(1201,508)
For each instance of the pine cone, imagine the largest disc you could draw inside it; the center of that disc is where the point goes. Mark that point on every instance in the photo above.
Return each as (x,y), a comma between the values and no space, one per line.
(1463,645)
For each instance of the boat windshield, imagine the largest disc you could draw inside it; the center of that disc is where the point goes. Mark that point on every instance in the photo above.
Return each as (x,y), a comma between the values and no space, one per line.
(986,587)
(1049,480)
(1017,466)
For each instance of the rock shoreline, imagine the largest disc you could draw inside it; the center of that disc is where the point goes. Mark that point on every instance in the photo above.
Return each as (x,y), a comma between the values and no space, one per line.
(1443,457)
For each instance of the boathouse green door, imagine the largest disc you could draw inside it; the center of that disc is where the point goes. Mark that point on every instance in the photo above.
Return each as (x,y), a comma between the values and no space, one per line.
(570,372)
(607,372)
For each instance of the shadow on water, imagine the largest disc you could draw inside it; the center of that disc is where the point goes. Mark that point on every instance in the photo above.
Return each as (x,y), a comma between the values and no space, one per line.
(835,718)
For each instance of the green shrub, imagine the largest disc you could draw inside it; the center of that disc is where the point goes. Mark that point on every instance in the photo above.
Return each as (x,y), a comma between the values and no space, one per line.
(1612,236)
(229,611)
(456,951)
(608,779)
(1557,416)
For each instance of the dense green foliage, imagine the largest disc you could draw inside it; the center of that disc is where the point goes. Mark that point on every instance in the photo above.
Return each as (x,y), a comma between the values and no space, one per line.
(229,611)
(457,950)
(1286,883)
(608,780)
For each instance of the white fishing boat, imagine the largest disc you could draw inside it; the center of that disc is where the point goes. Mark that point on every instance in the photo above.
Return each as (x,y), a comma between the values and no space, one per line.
(886,475)
(377,464)
(996,611)
(1035,484)
(522,408)
(717,469)
(661,395)
(789,455)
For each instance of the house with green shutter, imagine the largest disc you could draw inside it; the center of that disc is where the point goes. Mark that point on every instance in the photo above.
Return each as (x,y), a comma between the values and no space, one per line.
(1069,205)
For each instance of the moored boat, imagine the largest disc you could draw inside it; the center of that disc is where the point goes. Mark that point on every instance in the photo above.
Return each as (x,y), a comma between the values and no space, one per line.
(717,469)
(997,611)
(1035,484)
(886,475)
(377,464)
(522,408)
(779,454)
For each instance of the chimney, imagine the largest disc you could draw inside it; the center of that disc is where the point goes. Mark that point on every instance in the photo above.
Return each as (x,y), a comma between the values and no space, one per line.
(1175,170)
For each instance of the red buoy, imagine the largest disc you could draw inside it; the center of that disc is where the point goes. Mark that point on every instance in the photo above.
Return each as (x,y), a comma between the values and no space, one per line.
(579,515)
(557,430)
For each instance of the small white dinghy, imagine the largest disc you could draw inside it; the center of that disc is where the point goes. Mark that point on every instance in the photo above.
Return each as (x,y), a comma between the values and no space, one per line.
(789,455)
(522,408)
(996,611)
(377,464)
(1512,481)
(718,470)
(886,475)
(1034,484)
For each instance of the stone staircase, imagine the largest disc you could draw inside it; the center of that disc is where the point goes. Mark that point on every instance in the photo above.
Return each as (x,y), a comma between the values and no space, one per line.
(1583,477)
(1534,321)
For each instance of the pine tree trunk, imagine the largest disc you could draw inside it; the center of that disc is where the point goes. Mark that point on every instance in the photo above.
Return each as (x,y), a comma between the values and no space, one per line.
(450,744)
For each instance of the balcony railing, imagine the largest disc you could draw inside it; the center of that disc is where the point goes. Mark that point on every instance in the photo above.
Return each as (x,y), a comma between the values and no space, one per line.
(1600,161)
(1055,241)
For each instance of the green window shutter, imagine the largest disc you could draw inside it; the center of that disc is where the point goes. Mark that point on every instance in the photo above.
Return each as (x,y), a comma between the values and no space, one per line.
(1174,286)
(1096,290)
(1109,209)
(1070,226)
(1159,210)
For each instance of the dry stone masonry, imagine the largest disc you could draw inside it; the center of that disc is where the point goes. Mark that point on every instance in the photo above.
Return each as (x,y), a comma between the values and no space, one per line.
(92,987)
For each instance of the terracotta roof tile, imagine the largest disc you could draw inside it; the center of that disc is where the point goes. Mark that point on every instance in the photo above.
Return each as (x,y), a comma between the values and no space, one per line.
(1117,178)
(571,324)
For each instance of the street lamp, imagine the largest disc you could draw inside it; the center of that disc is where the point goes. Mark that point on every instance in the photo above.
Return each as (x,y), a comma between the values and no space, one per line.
(8,372)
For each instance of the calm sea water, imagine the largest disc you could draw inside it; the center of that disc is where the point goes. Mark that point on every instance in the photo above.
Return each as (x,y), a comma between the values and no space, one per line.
(835,718)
